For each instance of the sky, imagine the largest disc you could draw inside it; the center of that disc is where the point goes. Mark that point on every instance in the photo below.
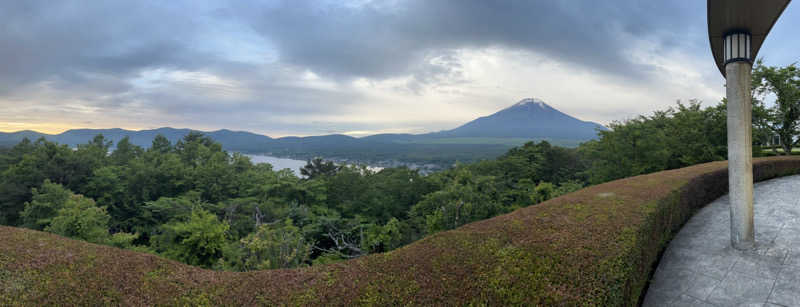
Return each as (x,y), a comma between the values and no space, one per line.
(352,67)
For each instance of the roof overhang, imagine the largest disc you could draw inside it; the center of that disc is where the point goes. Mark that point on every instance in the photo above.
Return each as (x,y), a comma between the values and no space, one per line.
(752,16)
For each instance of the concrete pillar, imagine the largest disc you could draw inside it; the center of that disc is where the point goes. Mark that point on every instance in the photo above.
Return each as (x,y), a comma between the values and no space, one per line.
(740,153)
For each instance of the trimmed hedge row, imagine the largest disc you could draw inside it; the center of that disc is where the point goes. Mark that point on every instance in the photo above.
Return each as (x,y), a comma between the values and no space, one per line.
(597,246)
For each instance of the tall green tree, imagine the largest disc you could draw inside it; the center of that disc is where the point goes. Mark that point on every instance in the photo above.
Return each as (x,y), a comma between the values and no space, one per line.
(47,160)
(629,148)
(784,83)
(109,186)
(466,199)
(394,191)
(194,147)
(85,159)
(15,154)
(47,200)
(318,167)
(380,238)
(679,136)
(275,246)
(160,145)
(125,152)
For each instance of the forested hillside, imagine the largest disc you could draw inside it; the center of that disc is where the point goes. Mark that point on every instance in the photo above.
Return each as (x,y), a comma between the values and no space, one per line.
(194,202)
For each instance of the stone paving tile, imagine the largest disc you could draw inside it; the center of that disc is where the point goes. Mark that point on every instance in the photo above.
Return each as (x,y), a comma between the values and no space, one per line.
(687,300)
(716,266)
(672,282)
(701,286)
(699,268)
(757,269)
(738,289)
(789,236)
(786,293)
(793,224)
(793,259)
(790,273)
(760,220)
(766,233)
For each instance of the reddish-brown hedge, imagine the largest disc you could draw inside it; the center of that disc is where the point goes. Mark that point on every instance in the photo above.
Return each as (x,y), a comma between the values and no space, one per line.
(597,246)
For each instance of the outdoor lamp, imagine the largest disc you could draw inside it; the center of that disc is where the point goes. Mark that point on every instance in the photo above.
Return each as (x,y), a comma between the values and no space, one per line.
(727,19)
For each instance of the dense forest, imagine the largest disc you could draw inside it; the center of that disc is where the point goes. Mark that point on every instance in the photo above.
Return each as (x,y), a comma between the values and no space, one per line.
(194,202)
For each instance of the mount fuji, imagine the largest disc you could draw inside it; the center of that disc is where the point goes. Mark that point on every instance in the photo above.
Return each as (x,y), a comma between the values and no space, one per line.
(529,118)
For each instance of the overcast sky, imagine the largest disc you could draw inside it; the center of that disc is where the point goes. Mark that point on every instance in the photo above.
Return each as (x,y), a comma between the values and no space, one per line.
(359,67)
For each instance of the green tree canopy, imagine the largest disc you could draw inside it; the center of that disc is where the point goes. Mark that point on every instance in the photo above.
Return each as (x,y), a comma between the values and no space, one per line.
(784,83)
(125,152)
(199,240)
(80,218)
(275,246)
(46,202)
(317,167)
(676,137)
(465,199)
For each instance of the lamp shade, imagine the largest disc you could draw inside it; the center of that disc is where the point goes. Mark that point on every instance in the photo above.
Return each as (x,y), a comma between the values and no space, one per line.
(748,20)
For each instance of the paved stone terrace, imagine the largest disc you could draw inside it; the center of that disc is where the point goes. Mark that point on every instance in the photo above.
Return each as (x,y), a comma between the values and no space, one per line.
(699,268)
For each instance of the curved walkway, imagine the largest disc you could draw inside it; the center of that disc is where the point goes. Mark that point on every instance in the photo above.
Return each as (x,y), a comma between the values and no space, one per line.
(699,268)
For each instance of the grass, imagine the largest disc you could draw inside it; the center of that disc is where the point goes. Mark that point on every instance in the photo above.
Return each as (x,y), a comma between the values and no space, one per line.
(596,246)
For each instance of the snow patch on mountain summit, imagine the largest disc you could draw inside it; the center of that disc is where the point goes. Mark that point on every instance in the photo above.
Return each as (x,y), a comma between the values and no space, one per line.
(531,101)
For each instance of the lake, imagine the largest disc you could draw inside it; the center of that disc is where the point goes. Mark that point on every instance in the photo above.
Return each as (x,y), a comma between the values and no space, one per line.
(279,163)
(294,165)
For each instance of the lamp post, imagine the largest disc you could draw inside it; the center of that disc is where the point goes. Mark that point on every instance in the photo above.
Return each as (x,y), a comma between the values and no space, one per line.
(736,30)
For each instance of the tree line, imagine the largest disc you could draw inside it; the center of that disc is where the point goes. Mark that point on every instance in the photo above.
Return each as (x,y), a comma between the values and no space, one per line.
(688,134)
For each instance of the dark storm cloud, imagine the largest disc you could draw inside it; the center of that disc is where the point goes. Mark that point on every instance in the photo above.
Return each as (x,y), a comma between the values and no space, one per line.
(67,40)
(385,40)
(78,43)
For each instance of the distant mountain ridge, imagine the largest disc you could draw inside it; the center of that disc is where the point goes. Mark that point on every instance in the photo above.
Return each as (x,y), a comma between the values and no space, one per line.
(233,139)
(486,137)
(528,118)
